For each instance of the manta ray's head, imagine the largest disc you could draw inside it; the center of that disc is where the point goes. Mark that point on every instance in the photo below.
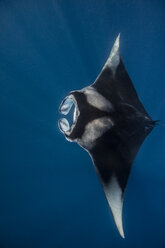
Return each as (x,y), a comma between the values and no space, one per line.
(90,116)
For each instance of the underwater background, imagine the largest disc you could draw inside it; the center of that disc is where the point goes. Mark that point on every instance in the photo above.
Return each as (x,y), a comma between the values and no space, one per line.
(50,196)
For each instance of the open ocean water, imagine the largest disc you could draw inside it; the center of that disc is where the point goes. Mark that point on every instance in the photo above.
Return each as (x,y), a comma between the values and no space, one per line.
(50,196)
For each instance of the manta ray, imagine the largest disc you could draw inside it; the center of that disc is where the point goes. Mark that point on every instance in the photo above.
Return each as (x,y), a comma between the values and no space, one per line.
(110,123)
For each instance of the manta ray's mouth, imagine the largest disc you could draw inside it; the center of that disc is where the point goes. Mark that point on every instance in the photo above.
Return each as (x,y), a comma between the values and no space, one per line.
(65,109)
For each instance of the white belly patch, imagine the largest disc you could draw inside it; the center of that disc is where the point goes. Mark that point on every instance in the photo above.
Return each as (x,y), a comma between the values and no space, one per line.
(95,99)
(94,130)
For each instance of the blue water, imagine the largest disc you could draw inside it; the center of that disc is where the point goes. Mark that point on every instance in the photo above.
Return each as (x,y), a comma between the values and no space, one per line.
(50,196)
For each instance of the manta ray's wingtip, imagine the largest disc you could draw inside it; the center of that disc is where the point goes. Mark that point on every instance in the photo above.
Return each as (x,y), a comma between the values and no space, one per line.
(119,225)
(117,215)
(116,45)
(114,57)
(115,198)
(121,231)
(118,38)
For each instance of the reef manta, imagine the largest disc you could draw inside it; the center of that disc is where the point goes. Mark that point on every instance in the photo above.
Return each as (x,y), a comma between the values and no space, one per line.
(110,123)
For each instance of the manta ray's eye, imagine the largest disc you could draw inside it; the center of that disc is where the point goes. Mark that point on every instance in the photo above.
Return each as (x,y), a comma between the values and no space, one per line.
(68,108)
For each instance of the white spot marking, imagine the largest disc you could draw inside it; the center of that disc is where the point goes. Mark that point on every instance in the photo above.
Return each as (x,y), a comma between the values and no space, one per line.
(114,196)
(94,130)
(96,99)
